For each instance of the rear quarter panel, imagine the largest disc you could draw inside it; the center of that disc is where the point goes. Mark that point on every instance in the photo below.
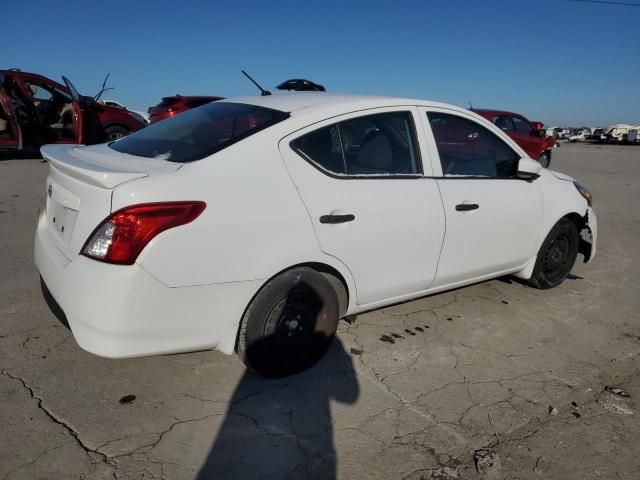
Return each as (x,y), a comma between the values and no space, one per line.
(253,227)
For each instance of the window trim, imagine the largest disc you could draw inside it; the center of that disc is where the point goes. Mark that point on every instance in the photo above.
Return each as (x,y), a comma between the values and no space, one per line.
(386,176)
(434,153)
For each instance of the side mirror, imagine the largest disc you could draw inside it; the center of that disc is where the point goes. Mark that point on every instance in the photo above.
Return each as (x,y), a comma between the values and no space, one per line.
(528,169)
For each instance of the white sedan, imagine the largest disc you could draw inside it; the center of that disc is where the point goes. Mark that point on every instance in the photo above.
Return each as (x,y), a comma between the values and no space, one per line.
(254,224)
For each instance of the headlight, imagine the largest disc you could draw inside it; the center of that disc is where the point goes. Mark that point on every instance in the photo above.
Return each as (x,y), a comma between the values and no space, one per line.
(585,193)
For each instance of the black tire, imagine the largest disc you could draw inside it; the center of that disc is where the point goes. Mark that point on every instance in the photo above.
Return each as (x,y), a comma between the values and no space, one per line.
(557,255)
(545,159)
(289,324)
(114,132)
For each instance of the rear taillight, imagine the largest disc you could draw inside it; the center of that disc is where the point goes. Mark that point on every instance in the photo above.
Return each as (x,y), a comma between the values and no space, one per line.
(123,235)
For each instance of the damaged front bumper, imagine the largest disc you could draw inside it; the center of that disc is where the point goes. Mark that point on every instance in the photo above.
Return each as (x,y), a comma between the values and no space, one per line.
(588,235)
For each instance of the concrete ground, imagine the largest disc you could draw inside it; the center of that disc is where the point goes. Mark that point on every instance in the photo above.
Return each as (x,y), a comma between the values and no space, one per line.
(407,392)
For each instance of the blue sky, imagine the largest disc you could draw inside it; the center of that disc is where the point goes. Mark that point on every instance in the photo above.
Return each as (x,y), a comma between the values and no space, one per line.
(557,61)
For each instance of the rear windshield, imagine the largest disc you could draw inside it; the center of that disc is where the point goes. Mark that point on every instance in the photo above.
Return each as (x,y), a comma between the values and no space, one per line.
(198,133)
(167,102)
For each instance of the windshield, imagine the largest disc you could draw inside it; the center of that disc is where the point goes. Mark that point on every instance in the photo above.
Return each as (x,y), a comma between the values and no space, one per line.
(200,132)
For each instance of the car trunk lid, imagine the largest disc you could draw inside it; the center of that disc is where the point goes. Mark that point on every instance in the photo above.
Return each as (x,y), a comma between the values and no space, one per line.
(79,188)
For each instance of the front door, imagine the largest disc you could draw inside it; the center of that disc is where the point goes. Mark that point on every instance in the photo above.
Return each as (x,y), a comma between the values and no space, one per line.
(493,218)
(78,130)
(360,177)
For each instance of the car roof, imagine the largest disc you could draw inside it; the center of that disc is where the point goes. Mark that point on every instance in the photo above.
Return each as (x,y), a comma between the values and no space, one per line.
(298,103)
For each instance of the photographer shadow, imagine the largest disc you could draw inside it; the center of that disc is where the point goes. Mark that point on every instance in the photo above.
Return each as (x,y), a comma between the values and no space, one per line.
(282,429)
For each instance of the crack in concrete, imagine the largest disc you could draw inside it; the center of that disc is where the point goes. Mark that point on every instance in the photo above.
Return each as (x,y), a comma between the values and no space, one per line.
(70,430)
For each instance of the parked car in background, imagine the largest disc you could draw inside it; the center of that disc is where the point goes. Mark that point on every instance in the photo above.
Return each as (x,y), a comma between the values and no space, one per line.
(561,133)
(255,224)
(301,85)
(35,110)
(578,136)
(597,135)
(142,116)
(619,133)
(531,136)
(172,106)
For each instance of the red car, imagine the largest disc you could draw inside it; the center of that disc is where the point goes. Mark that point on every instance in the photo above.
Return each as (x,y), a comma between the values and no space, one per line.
(531,136)
(170,106)
(35,110)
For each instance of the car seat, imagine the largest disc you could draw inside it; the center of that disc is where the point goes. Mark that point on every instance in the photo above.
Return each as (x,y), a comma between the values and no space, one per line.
(374,156)
(65,120)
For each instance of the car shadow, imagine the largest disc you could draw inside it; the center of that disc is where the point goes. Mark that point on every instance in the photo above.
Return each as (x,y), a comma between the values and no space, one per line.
(282,429)
(53,305)
(20,155)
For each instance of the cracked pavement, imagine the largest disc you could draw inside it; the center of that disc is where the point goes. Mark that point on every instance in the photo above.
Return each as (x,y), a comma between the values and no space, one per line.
(406,392)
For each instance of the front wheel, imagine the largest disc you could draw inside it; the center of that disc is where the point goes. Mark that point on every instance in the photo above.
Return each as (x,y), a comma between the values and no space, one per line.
(545,159)
(289,324)
(115,132)
(557,255)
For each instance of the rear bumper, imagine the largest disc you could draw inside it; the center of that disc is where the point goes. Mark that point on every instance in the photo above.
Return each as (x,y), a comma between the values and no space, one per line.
(122,311)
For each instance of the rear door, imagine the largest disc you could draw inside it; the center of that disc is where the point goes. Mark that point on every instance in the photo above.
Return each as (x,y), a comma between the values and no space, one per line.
(10,134)
(360,177)
(493,218)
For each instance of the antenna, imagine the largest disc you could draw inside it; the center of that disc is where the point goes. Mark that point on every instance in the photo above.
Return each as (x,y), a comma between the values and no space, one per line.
(470,106)
(103,89)
(263,92)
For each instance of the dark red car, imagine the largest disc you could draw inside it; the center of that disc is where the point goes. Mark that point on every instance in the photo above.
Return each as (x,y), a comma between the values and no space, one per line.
(531,136)
(35,110)
(170,106)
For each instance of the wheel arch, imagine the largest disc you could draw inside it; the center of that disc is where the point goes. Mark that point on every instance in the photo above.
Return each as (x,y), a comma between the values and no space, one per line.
(581,222)
(331,273)
(116,124)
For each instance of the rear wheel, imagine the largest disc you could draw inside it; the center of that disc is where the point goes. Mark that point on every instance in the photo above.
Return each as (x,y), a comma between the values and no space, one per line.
(114,132)
(545,159)
(557,255)
(289,324)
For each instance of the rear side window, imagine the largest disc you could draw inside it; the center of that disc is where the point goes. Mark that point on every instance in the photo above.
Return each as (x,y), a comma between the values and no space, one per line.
(521,126)
(373,145)
(198,133)
(468,149)
(503,122)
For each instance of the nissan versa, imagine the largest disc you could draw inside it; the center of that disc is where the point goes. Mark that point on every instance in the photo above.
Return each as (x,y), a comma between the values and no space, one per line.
(253,224)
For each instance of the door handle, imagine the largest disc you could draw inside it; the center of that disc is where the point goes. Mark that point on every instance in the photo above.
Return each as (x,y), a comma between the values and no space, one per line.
(343,218)
(466,207)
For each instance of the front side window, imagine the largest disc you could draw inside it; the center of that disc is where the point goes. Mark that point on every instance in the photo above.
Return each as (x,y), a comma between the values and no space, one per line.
(372,145)
(468,149)
(198,133)
(39,93)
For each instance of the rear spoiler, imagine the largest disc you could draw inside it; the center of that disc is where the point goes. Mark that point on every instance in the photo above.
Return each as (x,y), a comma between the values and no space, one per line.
(101,166)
